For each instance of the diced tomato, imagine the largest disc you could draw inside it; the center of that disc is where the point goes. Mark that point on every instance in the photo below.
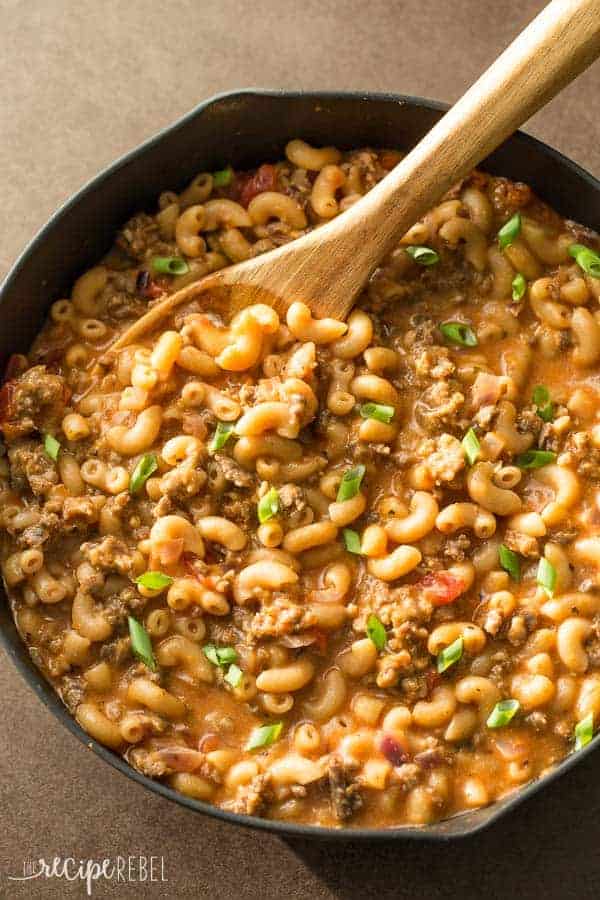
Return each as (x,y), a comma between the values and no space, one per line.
(17,363)
(149,287)
(389,159)
(180,759)
(441,588)
(7,393)
(393,750)
(264,179)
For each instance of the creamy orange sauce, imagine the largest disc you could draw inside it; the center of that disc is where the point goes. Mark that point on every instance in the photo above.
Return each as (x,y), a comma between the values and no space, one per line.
(339,652)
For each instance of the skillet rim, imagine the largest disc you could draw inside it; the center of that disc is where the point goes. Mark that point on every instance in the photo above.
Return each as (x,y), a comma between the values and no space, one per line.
(16,650)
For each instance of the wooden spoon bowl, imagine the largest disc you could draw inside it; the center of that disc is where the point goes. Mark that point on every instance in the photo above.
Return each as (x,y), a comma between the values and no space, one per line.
(329,266)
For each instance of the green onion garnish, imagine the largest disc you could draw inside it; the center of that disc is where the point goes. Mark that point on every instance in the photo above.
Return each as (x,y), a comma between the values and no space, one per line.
(584,731)
(223,432)
(142,472)
(459,333)
(233,675)
(378,411)
(509,562)
(51,446)
(450,655)
(264,736)
(351,541)
(586,259)
(535,459)
(141,643)
(223,177)
(350,483)
(546,576)
(519,286)
(471,446)
(425,256)
(170,265)
(545,407)
(540,395)
(268,505)
(220,656)
(509,231)
(376,631)
(502,713)
(154,581)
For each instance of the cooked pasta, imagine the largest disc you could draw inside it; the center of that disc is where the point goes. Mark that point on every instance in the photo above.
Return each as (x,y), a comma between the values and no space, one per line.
(349,565)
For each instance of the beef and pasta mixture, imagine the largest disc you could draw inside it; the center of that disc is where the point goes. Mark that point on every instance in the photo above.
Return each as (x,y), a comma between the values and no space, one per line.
(322,571)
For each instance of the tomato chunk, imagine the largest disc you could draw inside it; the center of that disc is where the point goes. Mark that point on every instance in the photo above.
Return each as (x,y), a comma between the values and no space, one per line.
(441,588)
(17,363)
(149,287)
(393,750)
(389,159)
(7,393)
(264,179)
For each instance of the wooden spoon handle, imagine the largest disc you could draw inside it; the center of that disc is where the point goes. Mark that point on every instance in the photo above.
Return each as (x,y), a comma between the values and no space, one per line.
(553,50)
(556,47)
(328,267)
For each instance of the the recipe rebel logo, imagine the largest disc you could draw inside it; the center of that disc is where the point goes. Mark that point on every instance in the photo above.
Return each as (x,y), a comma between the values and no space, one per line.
(119,870)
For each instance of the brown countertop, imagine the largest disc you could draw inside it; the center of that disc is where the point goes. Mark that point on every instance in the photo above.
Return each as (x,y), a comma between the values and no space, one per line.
(83,82)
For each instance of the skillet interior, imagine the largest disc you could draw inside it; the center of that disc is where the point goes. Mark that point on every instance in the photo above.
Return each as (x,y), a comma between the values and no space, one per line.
(247,128)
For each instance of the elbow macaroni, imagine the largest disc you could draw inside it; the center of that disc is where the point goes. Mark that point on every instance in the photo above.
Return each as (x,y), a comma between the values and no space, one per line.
(208,592)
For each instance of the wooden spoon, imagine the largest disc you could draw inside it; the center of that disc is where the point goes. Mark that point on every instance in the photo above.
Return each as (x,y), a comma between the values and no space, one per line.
(328,267)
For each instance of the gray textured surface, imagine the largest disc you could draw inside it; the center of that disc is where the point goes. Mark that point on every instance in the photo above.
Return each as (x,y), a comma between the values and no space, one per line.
(81,83)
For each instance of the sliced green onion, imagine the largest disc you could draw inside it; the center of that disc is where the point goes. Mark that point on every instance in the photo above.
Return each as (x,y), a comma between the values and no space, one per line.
(378,411)
(51,447)
(350,483)
(459,333)
(540,395)
(450,655)
(586,259)
(142,472)
(264,736)
(141,643)
(546,576)
(541,398)
(268,505)
(376,631)
(502,713)
(154,581)
(223,432)
(509,231)
(535,459)
(210,652)
(351,541)
(510,562)
(519,286)
(425,256)
(220,656)
(471,446)
(233,675)
(223,177)
(584,731)
(546,413)
(170,265)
